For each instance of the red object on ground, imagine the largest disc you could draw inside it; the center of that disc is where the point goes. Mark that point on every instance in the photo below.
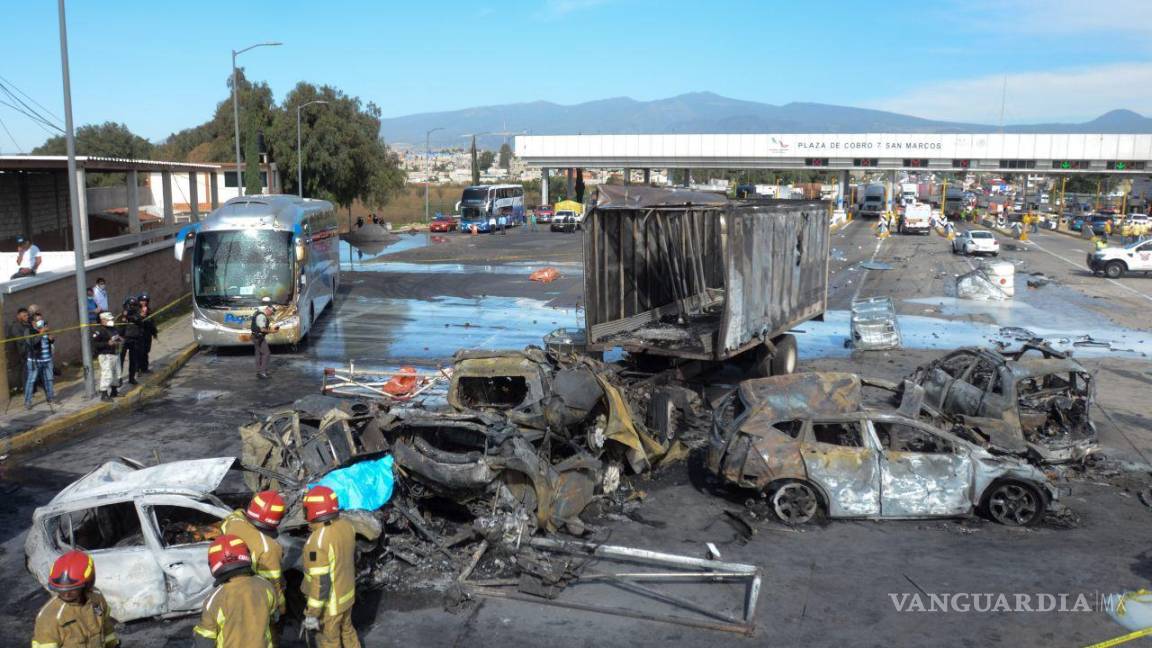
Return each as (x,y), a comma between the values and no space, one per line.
(403,383)
(545,275)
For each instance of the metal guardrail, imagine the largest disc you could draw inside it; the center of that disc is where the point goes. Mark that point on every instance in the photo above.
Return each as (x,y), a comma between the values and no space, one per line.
(127,240)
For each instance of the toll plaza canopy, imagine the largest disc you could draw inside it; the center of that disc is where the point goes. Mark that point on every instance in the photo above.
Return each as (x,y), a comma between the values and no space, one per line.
(1054,153)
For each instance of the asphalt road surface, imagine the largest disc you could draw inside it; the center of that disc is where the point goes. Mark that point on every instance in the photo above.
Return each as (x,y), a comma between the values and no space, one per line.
(834,583)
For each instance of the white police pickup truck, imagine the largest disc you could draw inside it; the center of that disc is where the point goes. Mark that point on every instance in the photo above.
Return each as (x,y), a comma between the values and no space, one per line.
(1113,262)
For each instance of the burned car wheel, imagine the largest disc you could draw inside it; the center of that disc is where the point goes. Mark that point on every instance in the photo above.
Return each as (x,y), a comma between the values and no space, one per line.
(795,503)
(1015,504)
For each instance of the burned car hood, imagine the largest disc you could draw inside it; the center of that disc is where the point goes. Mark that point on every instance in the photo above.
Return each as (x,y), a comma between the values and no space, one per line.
(116,478)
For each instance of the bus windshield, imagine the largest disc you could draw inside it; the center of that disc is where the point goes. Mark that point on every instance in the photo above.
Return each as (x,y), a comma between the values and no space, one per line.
(238,268)
(474,195)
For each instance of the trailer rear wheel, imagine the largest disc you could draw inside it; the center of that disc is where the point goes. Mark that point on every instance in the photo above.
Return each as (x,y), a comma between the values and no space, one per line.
(785,359)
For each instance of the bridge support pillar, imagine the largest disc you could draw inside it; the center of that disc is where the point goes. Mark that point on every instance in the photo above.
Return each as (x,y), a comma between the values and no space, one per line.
(627,176)
(842,195)
(544,186)
(647,176)
(569,187)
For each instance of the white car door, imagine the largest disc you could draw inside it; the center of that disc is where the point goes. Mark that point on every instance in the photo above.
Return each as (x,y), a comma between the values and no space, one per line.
(1141,258)
(178,530)
(841,459)
(111,533)
(922,474)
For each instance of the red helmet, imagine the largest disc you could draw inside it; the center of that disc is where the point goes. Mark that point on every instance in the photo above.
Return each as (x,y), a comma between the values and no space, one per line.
(320,504)
(266,509)
(228,553)
(72,571)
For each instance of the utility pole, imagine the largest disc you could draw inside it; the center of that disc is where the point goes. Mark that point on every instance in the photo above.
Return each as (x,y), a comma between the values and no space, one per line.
(428,166)
(236,106)
(300,149)
(74,190)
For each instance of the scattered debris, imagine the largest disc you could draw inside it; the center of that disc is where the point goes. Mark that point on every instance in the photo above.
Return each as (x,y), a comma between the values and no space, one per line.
(875,265)
(545,275)
(978,285)
(404,386)
(874,325)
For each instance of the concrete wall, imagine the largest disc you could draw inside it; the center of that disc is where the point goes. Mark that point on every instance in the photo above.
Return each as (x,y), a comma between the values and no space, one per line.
(34,204)
(153,270)
(101,199)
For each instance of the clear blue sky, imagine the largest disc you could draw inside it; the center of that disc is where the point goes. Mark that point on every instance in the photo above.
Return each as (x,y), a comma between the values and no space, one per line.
(162,66)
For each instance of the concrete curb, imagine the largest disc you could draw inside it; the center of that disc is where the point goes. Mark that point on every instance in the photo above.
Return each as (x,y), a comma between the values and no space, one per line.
(69,424)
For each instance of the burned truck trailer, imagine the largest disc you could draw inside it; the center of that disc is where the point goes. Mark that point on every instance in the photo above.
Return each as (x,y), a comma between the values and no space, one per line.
(695,276)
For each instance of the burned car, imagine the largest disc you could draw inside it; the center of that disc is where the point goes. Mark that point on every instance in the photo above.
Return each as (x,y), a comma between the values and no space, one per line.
(808,443)
(147,530)
(1033,402)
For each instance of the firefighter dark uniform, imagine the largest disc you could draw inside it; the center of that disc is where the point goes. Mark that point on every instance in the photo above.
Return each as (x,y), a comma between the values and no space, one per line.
(329,571)
(240,611)
(82,621)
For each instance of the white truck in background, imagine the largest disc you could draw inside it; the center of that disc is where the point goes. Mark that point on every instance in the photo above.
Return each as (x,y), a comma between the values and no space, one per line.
(909,193)
(870,200)
(917,219)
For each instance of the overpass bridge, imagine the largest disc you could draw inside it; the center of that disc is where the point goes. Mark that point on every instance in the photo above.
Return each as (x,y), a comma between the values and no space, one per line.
(1126,154)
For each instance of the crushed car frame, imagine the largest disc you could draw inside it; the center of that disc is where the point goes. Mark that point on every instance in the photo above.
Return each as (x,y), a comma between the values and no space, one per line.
(808,443)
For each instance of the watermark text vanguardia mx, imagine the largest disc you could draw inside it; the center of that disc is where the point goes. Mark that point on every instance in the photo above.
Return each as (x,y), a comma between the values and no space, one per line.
(987,602)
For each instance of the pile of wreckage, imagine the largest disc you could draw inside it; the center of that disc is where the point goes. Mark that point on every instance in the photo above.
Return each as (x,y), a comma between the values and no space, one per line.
(463,498)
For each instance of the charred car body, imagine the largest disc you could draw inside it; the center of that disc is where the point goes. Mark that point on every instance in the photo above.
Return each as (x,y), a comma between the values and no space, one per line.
(808,443)
(147,530)
(1034,402)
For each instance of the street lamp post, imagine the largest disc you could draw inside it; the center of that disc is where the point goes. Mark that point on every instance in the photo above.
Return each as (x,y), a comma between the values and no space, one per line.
(236,106)
(300,149)
(428,164)
(74,202)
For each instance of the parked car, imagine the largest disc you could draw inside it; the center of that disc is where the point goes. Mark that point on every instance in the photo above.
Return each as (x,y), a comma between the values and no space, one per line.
(443,223)
(1033,402)
(807,442)
(971,242)
(566,221)
(1098,221)
(1077,224)
(1114,262)
(543,214)
(147,530)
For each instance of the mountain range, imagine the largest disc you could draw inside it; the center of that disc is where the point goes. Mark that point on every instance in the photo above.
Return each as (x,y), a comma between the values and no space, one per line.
(702,112)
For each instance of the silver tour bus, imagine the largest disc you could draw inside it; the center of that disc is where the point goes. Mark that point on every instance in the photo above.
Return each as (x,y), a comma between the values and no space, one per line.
(282,247)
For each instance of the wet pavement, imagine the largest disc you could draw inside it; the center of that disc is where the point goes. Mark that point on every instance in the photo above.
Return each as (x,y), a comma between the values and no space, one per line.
(417,300)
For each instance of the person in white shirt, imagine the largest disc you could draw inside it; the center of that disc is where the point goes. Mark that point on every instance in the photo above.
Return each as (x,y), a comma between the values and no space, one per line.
(100,294)
(27,257)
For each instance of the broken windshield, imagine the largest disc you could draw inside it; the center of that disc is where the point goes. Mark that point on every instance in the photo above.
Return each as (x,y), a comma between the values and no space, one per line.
(237,268)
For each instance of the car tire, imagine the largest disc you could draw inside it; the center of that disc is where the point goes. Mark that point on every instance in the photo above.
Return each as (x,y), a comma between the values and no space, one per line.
(786,357)
(795,502)
(1114,269)
(1014,503)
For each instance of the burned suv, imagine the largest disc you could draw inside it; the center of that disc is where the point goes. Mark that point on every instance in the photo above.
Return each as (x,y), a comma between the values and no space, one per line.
(807,442)
(1033,402)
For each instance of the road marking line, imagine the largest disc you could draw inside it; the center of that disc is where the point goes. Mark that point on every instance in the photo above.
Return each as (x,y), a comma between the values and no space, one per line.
(864,277)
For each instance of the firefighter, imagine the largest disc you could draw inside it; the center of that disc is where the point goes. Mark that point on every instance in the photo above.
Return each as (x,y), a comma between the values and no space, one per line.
(257,527)
(329,571)
(77,617)
(242,608)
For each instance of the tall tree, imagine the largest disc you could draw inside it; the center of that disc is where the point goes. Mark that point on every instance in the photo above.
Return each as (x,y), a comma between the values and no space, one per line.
(213,140)
(486,159)
(344,158)
(505,157)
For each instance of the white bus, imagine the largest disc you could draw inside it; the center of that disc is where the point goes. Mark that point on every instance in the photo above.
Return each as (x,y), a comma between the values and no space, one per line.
(481,202)
(281,247)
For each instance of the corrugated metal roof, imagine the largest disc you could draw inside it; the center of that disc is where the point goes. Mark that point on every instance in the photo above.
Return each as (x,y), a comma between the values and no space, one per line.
(96,163)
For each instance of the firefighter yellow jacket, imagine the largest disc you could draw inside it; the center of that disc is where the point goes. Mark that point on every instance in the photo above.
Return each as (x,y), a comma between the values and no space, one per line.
(329,568)
(238,614)
(267,554)
(67,625)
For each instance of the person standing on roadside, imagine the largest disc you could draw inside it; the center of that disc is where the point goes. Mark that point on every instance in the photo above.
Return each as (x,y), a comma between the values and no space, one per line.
(106,347)
(93,309)
(39,363)
(27,258)
(261,329)
(148,329)
(100,294)
(132,333)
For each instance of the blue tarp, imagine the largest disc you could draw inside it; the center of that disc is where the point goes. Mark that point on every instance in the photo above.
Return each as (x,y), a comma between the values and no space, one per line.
(366,485)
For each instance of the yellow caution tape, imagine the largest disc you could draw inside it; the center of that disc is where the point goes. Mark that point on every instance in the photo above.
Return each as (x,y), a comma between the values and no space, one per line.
(1116,641)
(87,325)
